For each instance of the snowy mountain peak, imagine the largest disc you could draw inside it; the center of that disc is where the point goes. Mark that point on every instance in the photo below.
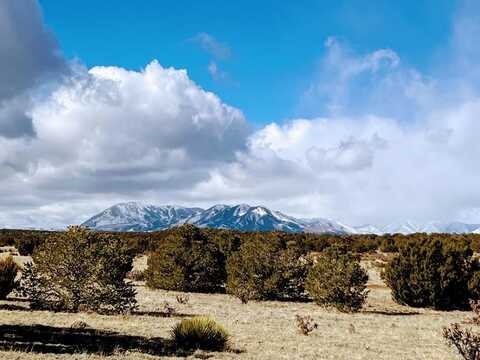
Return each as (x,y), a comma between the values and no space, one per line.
(137,216)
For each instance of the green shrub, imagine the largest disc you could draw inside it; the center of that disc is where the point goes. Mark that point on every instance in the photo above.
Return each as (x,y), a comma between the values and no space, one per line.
(80,269)
(388,244)
(265,269)
(8,272)
(200,333)
(431,272)
(337,280)
(186,261)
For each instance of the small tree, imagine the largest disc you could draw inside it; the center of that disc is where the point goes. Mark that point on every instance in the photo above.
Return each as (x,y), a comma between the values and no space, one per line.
(337,279)
(8,273)
(186,261)
(266,269)
(80,269)
(431,273)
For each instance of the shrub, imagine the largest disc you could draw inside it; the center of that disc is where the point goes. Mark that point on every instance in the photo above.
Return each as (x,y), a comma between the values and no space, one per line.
(168,309)
(263,269)
(26,244)
(186,261)
(337,279)
(200,333)
(387,244)
(305,324)
(465,341)
(431,273)
(183,298)
(136,275)
(8,272)
(80,269)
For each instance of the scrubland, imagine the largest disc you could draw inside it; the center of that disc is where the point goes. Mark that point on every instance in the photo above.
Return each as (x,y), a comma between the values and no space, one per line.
(260,330)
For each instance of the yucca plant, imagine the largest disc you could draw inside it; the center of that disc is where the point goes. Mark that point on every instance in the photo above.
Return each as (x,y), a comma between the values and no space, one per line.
(8,272)
(200,332)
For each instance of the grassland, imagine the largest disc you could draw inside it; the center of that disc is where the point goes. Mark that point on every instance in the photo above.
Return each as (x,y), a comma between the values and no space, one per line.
(265,330)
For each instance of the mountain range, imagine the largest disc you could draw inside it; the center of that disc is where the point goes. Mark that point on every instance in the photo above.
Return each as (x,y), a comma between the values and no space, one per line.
(135,216)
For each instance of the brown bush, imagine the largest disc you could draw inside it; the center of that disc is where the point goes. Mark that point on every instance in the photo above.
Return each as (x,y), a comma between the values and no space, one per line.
(8,272)
(305,324)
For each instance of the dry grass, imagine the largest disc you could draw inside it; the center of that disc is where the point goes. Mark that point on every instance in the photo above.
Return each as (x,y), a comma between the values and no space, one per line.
(267,330)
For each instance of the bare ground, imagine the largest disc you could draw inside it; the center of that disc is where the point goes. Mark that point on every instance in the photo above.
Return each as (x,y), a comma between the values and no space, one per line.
(266,330)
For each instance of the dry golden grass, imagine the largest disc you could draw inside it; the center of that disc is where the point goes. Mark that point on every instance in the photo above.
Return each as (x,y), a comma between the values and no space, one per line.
(267,330)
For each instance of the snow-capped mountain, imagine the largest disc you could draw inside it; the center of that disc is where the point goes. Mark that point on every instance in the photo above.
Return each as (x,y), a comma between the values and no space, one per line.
(410,227)
(133,216)
(245,218)
(139,217)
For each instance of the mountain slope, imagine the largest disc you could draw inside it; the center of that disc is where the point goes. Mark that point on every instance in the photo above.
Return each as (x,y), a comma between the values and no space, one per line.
(245,218)
(134,216)
(138,217)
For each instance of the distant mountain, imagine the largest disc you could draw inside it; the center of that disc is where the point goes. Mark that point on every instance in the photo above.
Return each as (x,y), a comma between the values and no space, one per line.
(409,227)
(245,218)
(133,216)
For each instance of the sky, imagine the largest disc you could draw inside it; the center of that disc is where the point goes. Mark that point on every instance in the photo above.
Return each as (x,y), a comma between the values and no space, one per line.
(359,112)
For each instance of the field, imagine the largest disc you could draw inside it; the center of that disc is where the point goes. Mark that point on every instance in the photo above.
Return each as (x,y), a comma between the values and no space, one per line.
(261,330)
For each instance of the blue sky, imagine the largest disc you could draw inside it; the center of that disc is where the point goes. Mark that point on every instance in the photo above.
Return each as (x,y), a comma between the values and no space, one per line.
(275,45)
(357,111)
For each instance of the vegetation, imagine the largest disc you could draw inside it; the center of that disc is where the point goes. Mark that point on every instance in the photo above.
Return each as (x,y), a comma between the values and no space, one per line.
(305,324)
(136,275)
(8,272)
(465,340)
(200,333)
(337,280)
(265,269)
(187,262)
(432,273)
(80,270)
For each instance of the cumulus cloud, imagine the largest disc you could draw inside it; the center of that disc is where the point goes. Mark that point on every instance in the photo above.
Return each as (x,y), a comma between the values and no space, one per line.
(29,56)
(111,131)
(366,160)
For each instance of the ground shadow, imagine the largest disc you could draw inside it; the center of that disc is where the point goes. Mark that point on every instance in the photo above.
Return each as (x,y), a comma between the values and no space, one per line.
(391,312)
(161,314)
(12,307)
(60,340)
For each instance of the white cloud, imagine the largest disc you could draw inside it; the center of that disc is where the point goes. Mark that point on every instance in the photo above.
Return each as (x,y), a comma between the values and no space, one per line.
(384,142)
(111,132)
(211,45)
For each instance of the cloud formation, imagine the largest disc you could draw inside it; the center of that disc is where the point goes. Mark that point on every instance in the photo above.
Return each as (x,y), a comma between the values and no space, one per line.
(109,132)
(212,46)
(384,141)
(29,57)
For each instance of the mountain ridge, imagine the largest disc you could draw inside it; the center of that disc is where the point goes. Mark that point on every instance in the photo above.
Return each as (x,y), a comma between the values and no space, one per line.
(142,217)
